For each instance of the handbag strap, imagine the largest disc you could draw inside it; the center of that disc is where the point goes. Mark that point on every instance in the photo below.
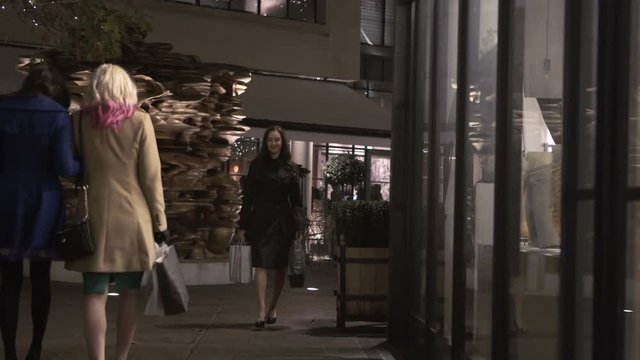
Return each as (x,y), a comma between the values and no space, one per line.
(80,177)
(80,184)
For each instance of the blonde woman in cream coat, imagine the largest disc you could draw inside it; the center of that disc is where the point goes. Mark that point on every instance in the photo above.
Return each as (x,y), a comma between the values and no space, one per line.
(126,203)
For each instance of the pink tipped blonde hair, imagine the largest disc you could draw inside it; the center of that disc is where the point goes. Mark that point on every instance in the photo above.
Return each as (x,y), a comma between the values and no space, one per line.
(111,96)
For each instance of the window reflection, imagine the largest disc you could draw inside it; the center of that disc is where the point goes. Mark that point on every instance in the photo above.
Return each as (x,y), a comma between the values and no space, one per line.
(311,11)
(274,8)
(480,96)
(634,95)
(537,101)
(250,6)
(218,4)
(632,301)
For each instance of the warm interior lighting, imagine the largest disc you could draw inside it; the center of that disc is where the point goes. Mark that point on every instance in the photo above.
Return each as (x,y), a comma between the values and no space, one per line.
(235,169)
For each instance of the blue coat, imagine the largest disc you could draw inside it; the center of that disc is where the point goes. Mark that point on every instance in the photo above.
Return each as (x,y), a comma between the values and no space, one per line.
(36,147)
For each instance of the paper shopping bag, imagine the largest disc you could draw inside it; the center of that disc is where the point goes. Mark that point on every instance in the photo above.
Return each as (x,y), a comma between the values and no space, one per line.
(296,263)
(240,271)
(168,294)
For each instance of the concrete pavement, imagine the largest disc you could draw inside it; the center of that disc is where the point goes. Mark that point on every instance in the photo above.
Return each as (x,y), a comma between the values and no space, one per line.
(218,325)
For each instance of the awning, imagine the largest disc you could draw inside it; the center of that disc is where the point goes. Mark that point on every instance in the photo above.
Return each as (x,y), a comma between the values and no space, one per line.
(318,111)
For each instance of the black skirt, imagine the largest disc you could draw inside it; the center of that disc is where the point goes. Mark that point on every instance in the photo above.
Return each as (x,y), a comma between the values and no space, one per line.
(270,249)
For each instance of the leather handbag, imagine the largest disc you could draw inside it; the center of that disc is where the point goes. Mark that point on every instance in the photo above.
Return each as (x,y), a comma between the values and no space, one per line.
(74,240)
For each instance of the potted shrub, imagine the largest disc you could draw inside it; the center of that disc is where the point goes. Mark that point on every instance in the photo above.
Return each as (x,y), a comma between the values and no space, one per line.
(363,223)
(344,170)
(363,270)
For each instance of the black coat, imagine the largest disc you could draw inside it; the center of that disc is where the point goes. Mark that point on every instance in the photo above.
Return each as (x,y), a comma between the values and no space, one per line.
(271,202)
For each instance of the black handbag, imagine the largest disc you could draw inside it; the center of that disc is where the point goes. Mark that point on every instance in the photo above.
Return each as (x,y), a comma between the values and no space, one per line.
(74,240)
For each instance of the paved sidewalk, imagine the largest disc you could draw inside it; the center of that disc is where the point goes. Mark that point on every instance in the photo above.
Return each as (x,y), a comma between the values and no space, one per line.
(218,325)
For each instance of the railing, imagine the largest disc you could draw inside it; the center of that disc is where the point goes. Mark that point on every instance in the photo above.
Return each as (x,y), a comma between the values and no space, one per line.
(311,11)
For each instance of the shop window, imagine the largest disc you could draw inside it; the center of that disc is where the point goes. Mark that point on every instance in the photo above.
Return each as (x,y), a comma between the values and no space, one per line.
(250,6)
(216,4)
(273,8)
(311,11)
(377,18)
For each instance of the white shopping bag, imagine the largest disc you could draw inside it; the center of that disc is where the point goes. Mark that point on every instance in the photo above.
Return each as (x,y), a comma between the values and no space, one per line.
(166,290)
(240,271)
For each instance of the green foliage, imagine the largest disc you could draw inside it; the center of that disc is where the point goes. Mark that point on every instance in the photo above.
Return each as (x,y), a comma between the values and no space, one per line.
(344,169)
(86,30)
(363,223)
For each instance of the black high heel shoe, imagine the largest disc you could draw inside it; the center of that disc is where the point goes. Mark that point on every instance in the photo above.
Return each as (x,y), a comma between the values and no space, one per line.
(34,354)
(259,324)
(271,320)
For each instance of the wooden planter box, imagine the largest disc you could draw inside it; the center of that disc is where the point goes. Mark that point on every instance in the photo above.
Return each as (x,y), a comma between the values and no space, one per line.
(363,278)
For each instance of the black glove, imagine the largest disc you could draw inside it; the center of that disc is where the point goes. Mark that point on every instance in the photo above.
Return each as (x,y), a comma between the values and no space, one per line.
(161,236)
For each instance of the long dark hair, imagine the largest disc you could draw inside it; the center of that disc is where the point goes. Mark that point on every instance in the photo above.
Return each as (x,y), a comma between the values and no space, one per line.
(285,154)
(46,80)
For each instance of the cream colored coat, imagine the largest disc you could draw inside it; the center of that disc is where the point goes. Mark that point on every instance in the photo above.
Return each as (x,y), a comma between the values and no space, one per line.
(126,203)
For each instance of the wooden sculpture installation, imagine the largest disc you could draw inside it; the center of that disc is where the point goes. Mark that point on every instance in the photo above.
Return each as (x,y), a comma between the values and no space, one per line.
(197,113)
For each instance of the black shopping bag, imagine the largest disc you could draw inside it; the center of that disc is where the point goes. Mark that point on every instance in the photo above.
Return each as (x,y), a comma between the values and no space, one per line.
(171,285)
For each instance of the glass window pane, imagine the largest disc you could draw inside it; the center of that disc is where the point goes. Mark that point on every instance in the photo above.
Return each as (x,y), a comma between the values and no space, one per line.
(304,10)
(389,20)
(218,4)
(632,306)
(634,108)
(321,11)
(371,20)
(380,191)
(445,106)
(274,8)
(587,130)
(480,173)
(380,168)
(250,6)
(632,303)
(584,285)
(537,81)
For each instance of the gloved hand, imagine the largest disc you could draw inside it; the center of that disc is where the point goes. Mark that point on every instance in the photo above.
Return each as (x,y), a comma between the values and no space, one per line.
(162,236)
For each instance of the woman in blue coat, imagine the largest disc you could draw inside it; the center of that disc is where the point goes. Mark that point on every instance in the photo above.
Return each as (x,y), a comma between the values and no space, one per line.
(36,148)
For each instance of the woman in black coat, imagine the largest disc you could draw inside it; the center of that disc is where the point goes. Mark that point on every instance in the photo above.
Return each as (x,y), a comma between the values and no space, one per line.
(271,197)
